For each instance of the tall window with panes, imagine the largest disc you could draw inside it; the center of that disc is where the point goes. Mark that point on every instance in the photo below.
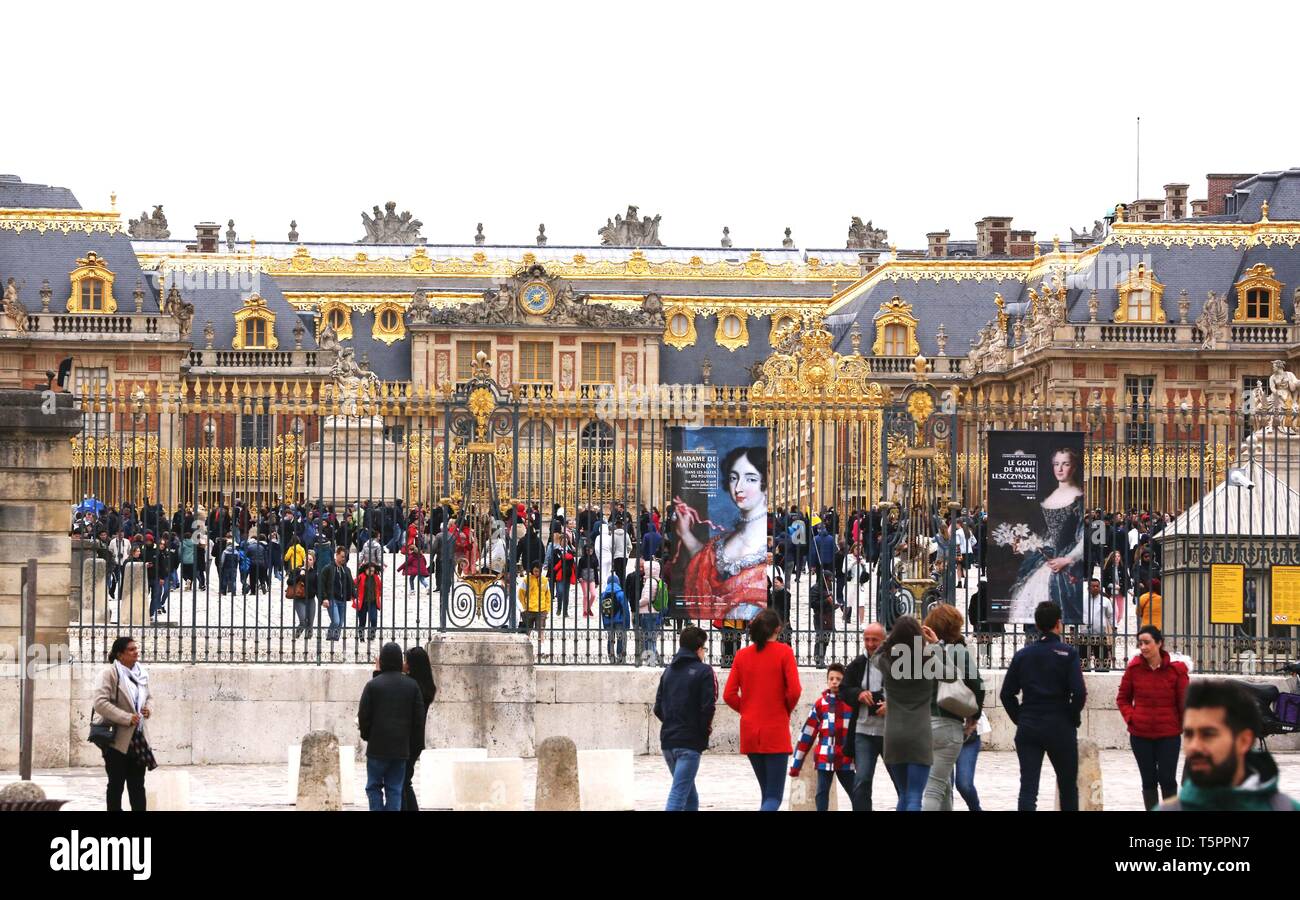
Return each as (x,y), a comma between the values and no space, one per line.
(466,353)
(598,363)
(92,294)
(895,340)
(535,361)
(255,427)
(92,384)
(1138,391)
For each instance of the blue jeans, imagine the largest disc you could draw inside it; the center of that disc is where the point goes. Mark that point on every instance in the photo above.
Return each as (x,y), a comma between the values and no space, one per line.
(909,781)
(561,593)
(336,610)
(770,769)
(845,777)
(385,779)
(647,638)
(866,750)
(1058,738)
(683,763)
(367,613)
(158,596)
(966,760)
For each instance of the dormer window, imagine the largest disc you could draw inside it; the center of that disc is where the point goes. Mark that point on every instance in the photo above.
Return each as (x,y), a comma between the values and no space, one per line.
(390,323)
(1140,298)
(92,287)
(1259,296)
(895,330)
(337,315)
(255,326)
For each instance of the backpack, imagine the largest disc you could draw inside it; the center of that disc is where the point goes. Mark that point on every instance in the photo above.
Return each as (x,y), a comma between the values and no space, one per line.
(244,564)
(1288,708)
(660,602)
(608,605)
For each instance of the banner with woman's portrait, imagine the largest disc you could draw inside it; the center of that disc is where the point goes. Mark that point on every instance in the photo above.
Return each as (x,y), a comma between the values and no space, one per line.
(1035,524)
(717,533)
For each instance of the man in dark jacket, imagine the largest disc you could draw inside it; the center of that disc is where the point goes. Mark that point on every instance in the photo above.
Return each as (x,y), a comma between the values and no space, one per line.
(1049,679)
(687,697)
(864,689)
(390,720)
(337,589)
(531,552)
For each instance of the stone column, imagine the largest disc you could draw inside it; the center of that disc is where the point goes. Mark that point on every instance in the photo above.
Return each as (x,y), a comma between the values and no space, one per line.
(487,691)
(35,509)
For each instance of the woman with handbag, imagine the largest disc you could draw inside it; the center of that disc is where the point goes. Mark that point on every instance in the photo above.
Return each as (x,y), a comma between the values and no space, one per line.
(303,583)
(955,707)
(122,704)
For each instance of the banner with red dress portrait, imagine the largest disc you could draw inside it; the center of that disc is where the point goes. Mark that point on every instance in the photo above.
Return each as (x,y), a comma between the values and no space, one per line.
(717,532)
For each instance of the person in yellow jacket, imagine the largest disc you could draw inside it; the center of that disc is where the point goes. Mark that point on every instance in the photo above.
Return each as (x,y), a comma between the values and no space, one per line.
(534,601)
(295,555)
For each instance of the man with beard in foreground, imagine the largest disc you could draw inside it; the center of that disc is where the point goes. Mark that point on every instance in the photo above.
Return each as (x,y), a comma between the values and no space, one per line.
(1221,722)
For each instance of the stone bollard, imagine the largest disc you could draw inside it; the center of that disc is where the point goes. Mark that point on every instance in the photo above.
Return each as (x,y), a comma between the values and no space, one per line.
(22,792)
(94,591)
(557,775)
(488,785)
(1089,779)
(320,784)
(133,597)
(803,790)
(435,791)
(167,790)
(605,780)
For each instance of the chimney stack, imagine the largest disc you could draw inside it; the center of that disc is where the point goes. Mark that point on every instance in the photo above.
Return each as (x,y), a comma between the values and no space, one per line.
(1218,187)
(1199,208)
(993,236)
(938,243)
(1175,201)
(207,239)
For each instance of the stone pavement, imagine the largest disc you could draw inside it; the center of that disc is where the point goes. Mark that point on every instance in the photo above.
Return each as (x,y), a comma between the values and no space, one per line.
(725,782)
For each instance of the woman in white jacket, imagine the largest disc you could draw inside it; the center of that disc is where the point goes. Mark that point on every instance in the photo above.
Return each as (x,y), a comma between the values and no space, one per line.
(648,619)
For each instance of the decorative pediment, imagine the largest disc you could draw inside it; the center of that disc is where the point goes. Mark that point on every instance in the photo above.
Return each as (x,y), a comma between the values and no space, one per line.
(534,296)
(255,326)
(92,287)
(898,313)
(813,372)
(1141,298)
(1259,296)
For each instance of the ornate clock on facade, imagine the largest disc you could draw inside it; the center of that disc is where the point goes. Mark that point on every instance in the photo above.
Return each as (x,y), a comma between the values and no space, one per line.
(536,298)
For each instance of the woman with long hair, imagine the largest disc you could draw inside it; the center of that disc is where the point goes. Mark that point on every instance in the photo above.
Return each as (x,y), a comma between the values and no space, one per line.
(1114,576)
(764,688)
(588,572)
(909,684)
(418,667)
(949,730)
(122,701)
(1054,571)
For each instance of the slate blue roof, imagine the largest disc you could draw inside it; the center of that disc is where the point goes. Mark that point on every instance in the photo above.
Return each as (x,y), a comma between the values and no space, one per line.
(29,257)
(218,298)
(389,362)
(15,194)
(729,367)
(1280,189)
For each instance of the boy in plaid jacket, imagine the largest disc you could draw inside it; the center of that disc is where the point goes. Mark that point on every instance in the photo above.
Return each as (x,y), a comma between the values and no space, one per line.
(828,726)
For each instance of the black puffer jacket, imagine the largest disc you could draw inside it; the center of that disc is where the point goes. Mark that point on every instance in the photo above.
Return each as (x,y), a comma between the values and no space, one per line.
(687,697)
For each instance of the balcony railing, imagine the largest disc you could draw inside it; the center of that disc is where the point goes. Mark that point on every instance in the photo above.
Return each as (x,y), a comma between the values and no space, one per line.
(1261,334)
(1139,334)
(252,359)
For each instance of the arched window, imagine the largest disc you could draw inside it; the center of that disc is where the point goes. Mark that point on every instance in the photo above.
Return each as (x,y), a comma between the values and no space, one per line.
(732,332)
(1259,296)
(679,331)
(92,286)
(895,329)
(895,340)
(92,295)
(536,462)
(255,326)
(390,326)
(1140,297)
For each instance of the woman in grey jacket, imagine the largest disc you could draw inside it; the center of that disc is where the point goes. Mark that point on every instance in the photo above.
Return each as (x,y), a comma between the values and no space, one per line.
(122,700)
(909,685)
(949,730)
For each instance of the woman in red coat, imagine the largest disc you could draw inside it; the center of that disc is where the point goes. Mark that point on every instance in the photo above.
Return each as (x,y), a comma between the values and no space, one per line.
(764,688)
(1151,701)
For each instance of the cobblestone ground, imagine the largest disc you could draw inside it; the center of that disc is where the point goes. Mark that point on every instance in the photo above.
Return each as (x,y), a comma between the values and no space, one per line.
(725,783)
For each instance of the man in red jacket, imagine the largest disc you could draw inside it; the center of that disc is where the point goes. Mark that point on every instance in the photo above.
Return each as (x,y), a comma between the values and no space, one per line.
(1151,697)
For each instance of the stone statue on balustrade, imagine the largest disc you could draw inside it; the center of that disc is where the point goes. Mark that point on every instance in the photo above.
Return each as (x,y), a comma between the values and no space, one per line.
(149,227)
(1213,322)
(328,339)
(632,231)
(179,309)
(14,308)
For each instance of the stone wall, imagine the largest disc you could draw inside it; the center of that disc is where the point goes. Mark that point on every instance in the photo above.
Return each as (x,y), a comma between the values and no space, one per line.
(35,510)
(211,714)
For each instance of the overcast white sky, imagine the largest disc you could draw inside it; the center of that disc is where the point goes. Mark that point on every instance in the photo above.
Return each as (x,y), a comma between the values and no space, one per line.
(920,116)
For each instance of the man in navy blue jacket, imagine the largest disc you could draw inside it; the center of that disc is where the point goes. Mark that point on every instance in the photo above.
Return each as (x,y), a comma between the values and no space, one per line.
(1049,679)
(687,697)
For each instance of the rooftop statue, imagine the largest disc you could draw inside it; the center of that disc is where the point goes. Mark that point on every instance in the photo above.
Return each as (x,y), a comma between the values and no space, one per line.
(179,309)
(1089,237)
(865,237)
(419,311)
(149,227)
(632,231)
(1213,321)
(14,308)
(390,228)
